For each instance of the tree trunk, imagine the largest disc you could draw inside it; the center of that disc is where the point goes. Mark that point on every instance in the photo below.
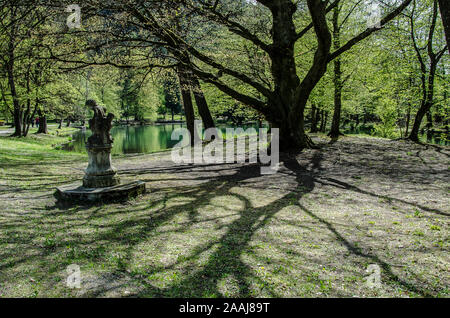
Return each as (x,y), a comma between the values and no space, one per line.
(427,86)
(26,123)
(68,122)
(315,119)
(291,128)
(193,85)
(323,125)
(17,122)
(444,6)
(335,132)
(288,102)
(427,102)
(314,116)
(292,136)
(202,105)
(429,120)
(26,115)
(18,114)
(30,120)
(414,135)
(183,77)
(43,129)
(318,117)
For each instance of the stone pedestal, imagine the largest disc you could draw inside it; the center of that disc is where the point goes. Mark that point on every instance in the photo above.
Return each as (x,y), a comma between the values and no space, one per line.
(101,182)
(80,195)
(100,173)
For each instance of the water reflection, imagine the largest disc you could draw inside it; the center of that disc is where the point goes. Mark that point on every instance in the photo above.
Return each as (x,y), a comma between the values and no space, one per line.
(132,139)
(137,139)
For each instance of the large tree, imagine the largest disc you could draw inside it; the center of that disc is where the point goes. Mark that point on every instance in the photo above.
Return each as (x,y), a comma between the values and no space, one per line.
(444,6)
(283,100)
(270,29)
(428,64)
(21,61)
(118,38)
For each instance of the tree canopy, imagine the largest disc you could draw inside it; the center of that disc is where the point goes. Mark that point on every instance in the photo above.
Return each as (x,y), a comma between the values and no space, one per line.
(295,64)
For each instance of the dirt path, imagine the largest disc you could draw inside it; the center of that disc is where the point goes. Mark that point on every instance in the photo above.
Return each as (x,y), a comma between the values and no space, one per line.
(310,230)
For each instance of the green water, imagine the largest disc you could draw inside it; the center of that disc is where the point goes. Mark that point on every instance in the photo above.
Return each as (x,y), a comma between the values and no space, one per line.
(136,139)
(132,139)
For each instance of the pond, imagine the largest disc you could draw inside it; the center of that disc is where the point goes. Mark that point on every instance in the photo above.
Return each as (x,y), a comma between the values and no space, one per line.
(132,139)
(135,139)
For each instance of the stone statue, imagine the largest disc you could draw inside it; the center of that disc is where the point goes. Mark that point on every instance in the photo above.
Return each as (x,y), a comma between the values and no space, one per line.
(100,125)
(100,173)
(101,181)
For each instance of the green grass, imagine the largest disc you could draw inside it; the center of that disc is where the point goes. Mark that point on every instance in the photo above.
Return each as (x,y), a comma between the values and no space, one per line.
(224,231)
(35,149)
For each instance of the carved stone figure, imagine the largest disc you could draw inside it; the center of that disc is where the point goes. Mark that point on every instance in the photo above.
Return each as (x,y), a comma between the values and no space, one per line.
(101,182)
(100,125)
(100,173)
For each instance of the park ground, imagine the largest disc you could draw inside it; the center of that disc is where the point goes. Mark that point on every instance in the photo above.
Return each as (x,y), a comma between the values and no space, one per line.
(310,230)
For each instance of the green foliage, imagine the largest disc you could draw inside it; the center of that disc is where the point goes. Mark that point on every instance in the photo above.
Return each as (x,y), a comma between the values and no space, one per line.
(226,108)
(381,75)
(387,112)
(170,96)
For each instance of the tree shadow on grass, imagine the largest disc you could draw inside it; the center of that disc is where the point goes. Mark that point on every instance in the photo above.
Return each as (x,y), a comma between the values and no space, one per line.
(374,259)
(226,259)
(225,251)
(337,183)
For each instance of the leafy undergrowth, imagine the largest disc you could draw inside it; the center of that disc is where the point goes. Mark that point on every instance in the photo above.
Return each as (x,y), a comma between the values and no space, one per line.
(311,230)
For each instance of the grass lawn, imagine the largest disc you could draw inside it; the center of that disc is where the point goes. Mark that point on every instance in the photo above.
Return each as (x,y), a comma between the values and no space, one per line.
(310,230)
(35,148)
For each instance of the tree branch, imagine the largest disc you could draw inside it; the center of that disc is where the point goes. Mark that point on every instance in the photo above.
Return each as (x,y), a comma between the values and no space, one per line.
(310,26)
(369,31)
